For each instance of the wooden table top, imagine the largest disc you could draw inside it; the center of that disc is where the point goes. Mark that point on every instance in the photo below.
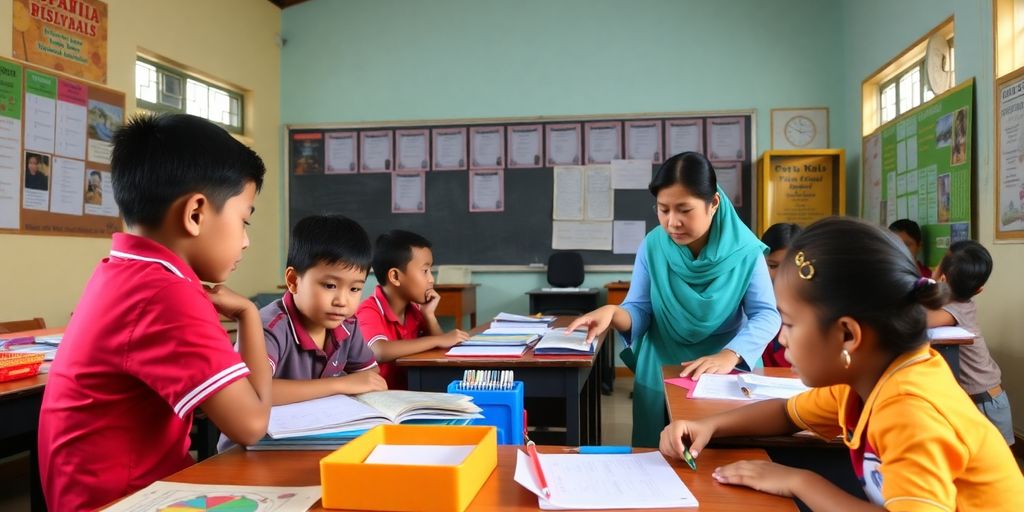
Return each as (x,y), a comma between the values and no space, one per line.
(500,492)
(34,384)
(680,408)
(437,357)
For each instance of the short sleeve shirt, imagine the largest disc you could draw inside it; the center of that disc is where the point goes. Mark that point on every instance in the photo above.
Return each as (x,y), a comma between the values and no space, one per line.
(378,322)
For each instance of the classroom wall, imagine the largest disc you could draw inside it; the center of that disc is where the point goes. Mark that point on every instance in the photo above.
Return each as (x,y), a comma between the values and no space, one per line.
(875,31)
(364,60)
(231,40)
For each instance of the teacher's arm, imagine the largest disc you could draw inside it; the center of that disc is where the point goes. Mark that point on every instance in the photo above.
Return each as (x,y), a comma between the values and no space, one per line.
(763,323)
(633,316)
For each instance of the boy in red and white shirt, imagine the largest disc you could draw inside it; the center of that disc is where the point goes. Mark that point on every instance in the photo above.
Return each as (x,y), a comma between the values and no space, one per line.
(145,346)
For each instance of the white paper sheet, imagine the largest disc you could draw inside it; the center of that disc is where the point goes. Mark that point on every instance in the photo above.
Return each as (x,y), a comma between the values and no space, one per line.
(568,193)
(912,208)
(631,174)
(729,179)
(376,152)
(411,151)
(643,141)
(71,130)
(684,137)
(912,152)
(901,207)
(719,387)
(901,184)
(525,146)
(67,185)
(10,183)
(486,147)
(486,191)
(950,333)
(419,454)
(40,125)
(627,235)
(592,482)
(599,198)
(594,236)
(341,153)
(603,144)
(726,140)
(408,196)
(901,156)
(170,495)
(564,146)
(450,150)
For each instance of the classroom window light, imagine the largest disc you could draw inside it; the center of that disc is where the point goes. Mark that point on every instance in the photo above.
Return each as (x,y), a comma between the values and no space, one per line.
(159,88)
(903,85)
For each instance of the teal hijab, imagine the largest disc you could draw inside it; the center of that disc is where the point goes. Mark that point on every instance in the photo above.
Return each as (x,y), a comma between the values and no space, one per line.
(691,297)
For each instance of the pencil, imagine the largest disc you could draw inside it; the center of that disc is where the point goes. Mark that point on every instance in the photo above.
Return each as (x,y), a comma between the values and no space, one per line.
(531,450)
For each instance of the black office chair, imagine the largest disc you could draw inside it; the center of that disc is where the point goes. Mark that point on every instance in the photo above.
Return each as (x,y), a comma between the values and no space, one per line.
(565,269)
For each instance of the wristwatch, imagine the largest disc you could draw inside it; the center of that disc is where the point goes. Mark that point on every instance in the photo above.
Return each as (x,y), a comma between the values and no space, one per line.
(737,354)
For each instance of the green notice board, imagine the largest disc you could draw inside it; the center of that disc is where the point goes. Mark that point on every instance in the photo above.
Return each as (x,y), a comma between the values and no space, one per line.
(928,171)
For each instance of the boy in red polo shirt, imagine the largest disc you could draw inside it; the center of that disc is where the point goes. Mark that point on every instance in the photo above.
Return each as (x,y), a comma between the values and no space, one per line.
(398,319)
(145,346)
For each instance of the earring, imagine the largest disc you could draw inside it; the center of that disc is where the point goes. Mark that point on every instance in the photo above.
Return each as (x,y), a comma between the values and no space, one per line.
(846,358)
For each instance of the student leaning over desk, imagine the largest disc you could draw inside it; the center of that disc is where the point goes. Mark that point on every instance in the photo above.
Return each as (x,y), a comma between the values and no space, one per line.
(696,278)
(853,311)
(145,346)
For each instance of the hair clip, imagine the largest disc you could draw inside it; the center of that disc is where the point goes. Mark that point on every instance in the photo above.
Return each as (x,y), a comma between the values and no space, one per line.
(804,267)
(923,281)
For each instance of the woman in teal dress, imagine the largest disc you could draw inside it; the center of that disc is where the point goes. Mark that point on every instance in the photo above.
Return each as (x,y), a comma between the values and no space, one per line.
(700,295)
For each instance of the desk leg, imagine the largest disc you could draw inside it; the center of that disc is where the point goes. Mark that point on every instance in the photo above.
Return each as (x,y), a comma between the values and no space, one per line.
(951,353)
(472,320)
(35,484)
(572,407)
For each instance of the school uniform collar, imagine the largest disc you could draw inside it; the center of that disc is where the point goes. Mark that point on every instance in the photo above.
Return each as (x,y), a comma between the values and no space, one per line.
(299,332)
(384,306)
(134,247)
(853,439)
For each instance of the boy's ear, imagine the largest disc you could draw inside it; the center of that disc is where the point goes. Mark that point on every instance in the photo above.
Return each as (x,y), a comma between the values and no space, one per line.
(393,274)
(194,213)
(980,288)
(291,280)
(852,334)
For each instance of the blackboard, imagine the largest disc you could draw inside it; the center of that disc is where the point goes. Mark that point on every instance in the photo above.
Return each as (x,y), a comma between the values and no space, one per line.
(519,235)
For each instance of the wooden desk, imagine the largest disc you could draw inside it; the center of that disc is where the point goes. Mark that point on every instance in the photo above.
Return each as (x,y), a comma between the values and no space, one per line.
(950,351)
(457,300)
(682,408)
(567,378)
(500,491)
(20,401)
(617,291)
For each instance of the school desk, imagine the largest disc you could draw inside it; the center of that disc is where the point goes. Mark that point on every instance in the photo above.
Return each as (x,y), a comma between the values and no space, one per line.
(561,391)
(500,492)
(617,291)
(457,300)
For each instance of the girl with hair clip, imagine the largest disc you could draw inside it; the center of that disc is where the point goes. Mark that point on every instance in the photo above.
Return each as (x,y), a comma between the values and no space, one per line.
(853,324)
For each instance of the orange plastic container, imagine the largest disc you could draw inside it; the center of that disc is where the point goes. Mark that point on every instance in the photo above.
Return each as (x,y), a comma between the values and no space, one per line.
(348,483)
(15,365)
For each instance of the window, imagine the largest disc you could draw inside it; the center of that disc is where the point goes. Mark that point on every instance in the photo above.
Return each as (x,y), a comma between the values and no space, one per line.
(163,89)
(1009,35)
(902,83)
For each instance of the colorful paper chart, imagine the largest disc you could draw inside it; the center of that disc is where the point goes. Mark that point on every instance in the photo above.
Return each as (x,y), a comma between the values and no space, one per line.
(213,504)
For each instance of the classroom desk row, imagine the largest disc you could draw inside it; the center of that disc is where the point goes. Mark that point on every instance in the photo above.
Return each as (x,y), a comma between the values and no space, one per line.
(500,492)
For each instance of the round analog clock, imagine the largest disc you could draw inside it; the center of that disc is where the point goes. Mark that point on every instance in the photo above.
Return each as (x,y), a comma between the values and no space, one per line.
(800,131)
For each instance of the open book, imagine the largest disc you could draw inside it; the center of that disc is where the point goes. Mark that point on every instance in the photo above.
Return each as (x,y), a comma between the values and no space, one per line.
(746,386)
(556,342)
(341,413)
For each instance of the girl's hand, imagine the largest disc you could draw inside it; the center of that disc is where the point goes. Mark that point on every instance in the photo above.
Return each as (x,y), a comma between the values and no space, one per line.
(722,362)
(761,475)
(685,435)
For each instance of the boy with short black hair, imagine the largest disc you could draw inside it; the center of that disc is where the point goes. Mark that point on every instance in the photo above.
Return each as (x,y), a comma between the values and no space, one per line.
(966,268)
(398,319)
(312,336)
(910,233)
(145,346)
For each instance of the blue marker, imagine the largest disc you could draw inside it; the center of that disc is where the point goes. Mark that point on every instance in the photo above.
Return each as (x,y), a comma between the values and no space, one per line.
(601,450)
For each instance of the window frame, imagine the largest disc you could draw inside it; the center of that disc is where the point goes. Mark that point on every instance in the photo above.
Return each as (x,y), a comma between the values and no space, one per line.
(163,69)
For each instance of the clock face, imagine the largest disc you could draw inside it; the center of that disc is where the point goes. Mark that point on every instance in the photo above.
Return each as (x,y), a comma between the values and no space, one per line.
(800,131)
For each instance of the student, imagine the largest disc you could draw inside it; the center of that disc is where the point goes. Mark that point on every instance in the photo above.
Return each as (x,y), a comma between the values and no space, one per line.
(910,233)
(854,329)
(966,268)
(313,340)
(398,319)
(777,238)
(145,346)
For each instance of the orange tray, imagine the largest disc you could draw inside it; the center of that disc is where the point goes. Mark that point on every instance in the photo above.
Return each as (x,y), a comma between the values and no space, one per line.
(14,366)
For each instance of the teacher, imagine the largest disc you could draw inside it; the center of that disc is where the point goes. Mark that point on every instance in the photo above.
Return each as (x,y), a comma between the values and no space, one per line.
(700,293)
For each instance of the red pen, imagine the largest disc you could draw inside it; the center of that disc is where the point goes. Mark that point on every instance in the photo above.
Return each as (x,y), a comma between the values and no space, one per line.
(531,451)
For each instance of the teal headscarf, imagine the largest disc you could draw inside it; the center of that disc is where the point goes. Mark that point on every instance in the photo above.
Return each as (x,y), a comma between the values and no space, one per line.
(690,298)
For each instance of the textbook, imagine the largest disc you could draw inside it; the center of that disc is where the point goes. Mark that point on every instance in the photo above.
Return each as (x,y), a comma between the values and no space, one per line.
(556,342)
(527,323)
(339,413)
(490,339)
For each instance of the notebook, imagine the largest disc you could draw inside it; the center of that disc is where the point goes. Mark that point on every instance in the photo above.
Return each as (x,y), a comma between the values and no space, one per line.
(558,343)
(486,351)
(501,339)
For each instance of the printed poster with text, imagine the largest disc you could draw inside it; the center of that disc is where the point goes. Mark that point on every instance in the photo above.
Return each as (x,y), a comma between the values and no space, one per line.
(801,189)
(926,169)
(69,36)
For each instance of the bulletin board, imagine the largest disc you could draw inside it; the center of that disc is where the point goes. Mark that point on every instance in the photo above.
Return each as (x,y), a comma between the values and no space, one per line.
(921,167)
(330,173)
(55,146)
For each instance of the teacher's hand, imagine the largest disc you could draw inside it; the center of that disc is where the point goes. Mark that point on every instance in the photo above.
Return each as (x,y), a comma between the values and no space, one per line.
(722,362)
(596,322)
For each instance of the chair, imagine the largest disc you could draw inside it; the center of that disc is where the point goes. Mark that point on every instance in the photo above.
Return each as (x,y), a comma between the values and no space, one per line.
(22,325)
(565,269)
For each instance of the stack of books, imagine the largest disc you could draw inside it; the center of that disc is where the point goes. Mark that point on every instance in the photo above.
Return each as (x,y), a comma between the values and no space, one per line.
(507,323)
